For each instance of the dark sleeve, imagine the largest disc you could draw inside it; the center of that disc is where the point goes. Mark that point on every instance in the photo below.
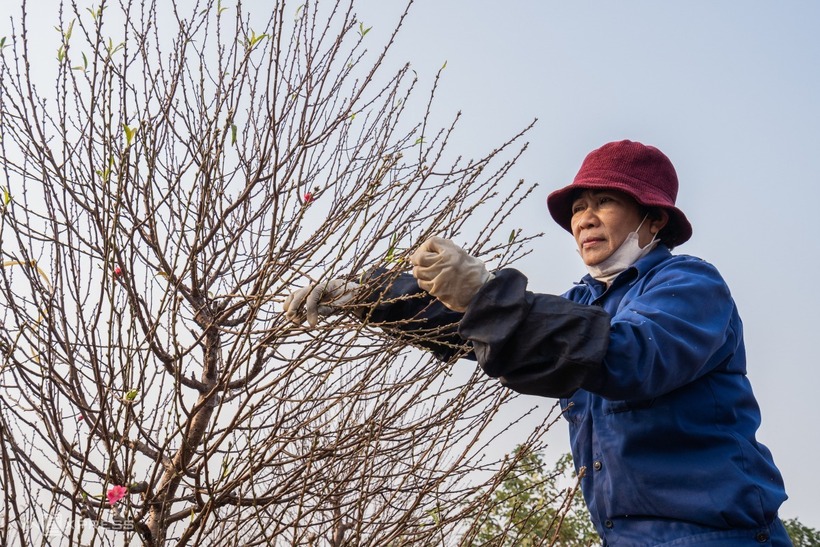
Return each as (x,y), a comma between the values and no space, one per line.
(536,344)
(406,312)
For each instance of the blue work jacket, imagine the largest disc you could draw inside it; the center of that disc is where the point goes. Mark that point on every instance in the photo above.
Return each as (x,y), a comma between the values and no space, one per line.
(651,373)
(666,430)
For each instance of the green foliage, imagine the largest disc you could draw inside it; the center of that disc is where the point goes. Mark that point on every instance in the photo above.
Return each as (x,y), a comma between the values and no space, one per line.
(84,66)
(219,9)
(801,535)
(253,40)
(112,48)
(95,12)
(67,33)
(537,506)
(526,509)
(391,251)
(129,133)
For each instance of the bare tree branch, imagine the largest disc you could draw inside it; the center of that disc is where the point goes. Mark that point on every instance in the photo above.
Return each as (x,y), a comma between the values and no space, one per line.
(184,166)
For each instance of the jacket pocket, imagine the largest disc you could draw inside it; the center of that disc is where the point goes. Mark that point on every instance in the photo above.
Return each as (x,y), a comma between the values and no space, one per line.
(573,410)
(614,407)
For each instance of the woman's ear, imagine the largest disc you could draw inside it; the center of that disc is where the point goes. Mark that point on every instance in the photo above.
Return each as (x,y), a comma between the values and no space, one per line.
(659,219)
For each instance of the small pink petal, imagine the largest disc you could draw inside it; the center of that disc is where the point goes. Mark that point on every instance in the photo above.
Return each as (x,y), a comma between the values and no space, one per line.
(116,493)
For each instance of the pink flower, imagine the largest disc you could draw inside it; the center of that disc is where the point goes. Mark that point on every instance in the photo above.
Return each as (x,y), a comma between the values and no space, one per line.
(116,493)
(308,198)
(117,271)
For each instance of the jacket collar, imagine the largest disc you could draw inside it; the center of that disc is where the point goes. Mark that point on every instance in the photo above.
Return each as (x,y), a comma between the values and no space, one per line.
(660,253)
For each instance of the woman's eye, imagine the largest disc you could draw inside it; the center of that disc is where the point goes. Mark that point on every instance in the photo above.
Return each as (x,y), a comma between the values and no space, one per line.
(577,209)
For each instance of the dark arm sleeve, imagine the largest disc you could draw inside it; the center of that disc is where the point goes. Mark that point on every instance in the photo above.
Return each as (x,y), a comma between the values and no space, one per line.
(406,312)
(536,344)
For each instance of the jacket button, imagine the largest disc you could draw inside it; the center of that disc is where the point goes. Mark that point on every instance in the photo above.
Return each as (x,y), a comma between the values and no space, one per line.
(608,523)
(762,537)
(597,466)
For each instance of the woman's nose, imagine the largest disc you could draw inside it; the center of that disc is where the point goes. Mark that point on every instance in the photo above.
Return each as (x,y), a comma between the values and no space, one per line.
(585,218)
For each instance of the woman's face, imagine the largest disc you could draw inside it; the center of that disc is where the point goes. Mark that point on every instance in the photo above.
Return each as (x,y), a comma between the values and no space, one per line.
(601,220)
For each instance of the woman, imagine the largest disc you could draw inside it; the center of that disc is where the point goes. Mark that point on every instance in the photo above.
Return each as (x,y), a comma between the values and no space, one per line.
(646,354)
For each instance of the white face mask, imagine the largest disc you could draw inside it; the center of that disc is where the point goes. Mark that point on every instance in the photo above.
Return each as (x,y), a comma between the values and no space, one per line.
(624,256)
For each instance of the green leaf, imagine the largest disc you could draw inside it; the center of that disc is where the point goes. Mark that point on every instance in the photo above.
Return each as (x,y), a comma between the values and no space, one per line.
(2,42)
(435,513)
(512,237)
(132,394)
(61,53)
(253,39)
(233,134)
(299,9)
(104,174)
(420,140)
(6,196)
(220,8)
(95,13)
(69,31)
(83,67)
(362,30)
(112,49)
(129,134)
(392,250)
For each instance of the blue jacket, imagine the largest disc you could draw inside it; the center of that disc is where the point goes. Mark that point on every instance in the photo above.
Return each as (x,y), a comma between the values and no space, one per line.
(652,376)
(667,429)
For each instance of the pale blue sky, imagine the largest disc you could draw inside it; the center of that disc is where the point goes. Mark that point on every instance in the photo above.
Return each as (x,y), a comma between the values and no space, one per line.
(729,90)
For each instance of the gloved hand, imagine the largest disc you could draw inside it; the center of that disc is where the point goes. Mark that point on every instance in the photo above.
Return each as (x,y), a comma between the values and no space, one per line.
(447,272)
(319,299)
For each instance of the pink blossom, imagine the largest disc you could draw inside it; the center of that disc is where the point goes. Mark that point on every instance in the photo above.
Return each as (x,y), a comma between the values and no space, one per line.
(117,271)
(116,493)
(308,198)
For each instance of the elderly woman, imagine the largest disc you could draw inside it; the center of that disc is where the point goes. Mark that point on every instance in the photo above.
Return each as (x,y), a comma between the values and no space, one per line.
(646,354)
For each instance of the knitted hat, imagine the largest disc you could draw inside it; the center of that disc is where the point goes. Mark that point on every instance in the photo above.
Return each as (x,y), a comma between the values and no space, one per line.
(641,171)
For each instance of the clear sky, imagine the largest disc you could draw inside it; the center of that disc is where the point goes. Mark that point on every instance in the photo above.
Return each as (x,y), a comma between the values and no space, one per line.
(729,90)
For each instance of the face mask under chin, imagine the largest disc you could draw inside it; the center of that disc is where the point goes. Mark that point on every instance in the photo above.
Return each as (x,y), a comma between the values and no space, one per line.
(624,256)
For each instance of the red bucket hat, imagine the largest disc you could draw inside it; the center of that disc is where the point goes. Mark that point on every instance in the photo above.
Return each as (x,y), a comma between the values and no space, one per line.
(641,171)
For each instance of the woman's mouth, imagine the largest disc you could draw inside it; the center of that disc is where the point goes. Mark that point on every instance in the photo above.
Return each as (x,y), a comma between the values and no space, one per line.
(590,242)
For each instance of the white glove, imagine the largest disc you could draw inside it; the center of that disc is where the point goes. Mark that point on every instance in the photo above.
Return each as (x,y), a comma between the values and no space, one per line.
(319,299)
(447,272)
